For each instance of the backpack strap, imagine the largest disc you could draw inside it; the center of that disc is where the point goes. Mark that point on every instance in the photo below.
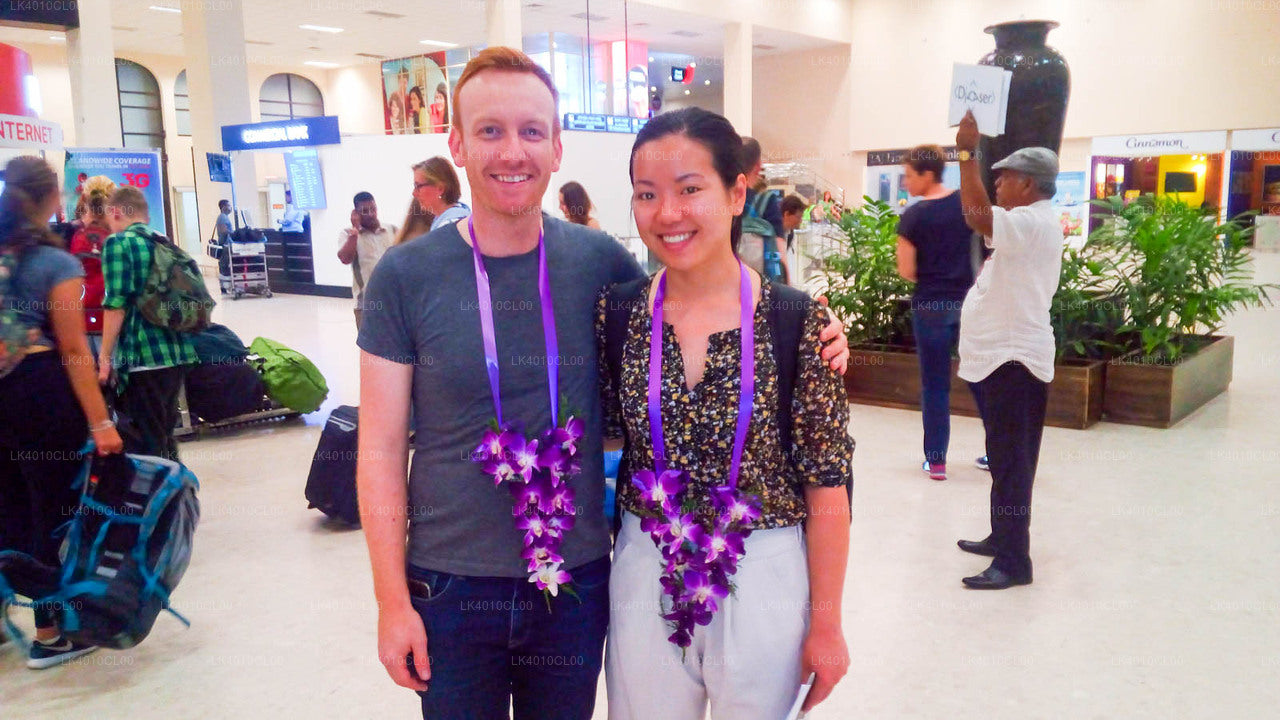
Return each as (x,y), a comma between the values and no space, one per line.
(620,300)
(787,312)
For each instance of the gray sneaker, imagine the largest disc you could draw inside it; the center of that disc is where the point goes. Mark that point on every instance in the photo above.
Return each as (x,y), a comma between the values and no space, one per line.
(47,654)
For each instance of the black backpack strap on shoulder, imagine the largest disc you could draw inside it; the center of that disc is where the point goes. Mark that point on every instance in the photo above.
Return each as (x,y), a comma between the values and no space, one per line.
(787,314)
(787,311)
(620,300)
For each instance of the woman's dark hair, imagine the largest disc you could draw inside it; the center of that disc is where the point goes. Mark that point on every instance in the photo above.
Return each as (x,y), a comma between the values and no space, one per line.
(28,183)
(927,158)
(415,90)
(709,130)
(439,172)
(576,202)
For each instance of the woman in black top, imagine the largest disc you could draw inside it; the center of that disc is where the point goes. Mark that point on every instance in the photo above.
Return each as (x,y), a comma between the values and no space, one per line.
(933,252)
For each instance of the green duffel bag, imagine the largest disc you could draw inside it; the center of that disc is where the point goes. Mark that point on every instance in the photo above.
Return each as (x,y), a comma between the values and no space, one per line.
(291,379)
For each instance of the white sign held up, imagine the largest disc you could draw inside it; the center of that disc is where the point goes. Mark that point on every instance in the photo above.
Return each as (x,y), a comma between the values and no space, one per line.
(984,89)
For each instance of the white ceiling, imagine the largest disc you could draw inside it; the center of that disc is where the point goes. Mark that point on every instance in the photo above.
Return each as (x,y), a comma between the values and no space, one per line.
(393,28)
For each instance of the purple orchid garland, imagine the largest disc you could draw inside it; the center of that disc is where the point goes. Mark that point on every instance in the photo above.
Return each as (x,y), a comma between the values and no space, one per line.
(536,471)
(698,564)
(537,475)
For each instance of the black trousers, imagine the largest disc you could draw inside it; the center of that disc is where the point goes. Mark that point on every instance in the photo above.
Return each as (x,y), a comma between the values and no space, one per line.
(150,401)
(1012,403)
(42,430)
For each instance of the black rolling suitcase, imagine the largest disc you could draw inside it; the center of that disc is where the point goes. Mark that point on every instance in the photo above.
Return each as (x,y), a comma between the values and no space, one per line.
(331,485)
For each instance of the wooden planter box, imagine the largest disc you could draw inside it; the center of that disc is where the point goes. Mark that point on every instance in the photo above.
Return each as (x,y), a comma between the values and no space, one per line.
(1159,394)
(890,377)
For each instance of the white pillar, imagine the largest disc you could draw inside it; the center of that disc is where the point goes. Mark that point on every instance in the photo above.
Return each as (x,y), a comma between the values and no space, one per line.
(91,63)
(737,76)
(218,83)
(503,20)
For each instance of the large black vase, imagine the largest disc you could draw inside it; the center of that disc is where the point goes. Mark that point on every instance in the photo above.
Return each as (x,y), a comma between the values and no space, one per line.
(1038,91)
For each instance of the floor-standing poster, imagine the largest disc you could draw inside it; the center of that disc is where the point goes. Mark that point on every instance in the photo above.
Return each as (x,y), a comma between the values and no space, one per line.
(1070,203)
(415,95)
(139,168)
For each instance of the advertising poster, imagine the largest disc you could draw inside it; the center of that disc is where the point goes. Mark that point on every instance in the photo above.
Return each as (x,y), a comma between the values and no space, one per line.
(415,95)
(139,168)
(1070,204)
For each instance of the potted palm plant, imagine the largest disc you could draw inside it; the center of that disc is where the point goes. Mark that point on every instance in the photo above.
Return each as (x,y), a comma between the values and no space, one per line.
(1179,273)
(861,282)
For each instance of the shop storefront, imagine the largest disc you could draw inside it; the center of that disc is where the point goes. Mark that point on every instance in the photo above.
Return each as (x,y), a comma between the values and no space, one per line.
(1188,166)
(1254,185)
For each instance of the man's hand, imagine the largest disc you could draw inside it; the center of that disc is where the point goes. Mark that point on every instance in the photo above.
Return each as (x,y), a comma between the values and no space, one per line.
(400,632)
(825,654)
(835,344)
(967,135)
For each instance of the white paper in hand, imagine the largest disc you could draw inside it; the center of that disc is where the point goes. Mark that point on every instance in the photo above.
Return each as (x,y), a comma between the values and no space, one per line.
(801,696)
(982,89)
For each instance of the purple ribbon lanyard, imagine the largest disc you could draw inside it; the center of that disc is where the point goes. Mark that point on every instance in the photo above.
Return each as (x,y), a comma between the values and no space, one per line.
(747,385)
(485,298)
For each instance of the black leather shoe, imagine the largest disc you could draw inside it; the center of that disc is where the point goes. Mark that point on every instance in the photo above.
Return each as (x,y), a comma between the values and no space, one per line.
(978,547)
(993,579)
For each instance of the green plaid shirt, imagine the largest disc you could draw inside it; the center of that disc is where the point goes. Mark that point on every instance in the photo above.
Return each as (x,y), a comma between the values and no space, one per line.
(126,263)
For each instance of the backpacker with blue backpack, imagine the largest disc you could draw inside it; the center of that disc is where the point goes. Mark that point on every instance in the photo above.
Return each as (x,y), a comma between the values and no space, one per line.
(124,552)
(758,247)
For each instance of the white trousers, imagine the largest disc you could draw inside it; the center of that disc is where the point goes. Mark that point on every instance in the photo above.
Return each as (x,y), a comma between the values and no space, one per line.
(746,663)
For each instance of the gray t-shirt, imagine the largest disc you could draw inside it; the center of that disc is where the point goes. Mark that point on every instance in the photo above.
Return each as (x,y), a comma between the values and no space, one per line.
(421,309)
(40,269)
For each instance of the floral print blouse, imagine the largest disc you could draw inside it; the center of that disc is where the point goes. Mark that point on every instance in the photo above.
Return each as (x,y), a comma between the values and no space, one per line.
(699,424)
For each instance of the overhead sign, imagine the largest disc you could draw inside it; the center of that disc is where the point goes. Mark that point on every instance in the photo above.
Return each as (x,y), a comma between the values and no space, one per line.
(1214,141)
(299,132)
(1266,139)
(677,74)
(603,123)
(17,131)
(876,158)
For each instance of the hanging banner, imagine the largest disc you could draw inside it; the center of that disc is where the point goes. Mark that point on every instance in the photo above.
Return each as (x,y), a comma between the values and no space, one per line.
(139,168)
(415,95)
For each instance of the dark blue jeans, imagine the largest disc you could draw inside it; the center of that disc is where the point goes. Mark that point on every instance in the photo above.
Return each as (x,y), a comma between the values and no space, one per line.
(937,329)
(493,644)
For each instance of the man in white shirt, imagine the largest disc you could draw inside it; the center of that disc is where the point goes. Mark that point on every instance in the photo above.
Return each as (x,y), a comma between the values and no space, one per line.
(1006,342)
(363,245)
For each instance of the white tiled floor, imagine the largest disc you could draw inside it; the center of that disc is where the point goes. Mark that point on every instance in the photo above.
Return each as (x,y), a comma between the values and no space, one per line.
(1156,589)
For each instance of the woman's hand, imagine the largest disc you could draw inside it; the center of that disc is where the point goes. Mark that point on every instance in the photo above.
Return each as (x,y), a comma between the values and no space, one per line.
(825,654)
(108,441)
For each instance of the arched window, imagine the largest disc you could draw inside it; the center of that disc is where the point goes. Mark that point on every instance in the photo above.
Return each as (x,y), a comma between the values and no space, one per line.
(285,96)
(141,123)
(182,105)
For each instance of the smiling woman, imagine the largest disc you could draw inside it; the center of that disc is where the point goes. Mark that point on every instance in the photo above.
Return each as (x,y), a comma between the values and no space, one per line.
(736,448)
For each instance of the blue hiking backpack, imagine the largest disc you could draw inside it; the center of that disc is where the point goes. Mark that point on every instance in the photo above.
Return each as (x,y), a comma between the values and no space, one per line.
(753,223)
(123,554)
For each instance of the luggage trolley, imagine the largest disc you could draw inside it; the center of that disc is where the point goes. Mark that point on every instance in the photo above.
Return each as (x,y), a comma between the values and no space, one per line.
(246,267)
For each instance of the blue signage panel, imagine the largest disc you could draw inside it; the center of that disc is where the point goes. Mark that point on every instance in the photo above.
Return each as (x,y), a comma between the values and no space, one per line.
(305,180)
(603,123)
(299,132)
(583,121)
(219,167)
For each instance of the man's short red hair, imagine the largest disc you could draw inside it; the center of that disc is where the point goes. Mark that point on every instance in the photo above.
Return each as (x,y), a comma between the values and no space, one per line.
(503,59)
